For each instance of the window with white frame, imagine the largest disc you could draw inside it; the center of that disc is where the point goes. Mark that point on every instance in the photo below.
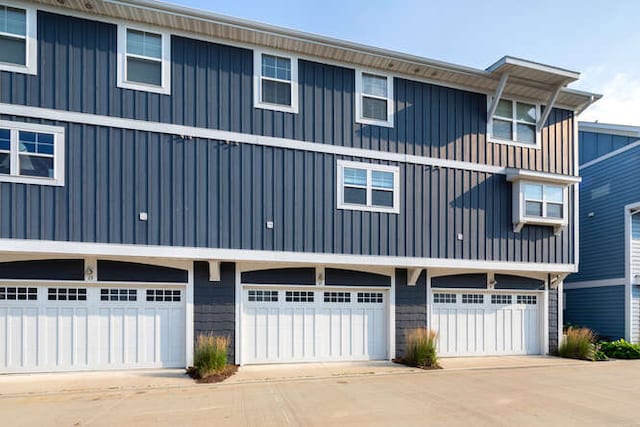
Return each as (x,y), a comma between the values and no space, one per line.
(275,81)
(368,187)
(374,98)
(515,122)
(144,60)
(543,200)
(31,153)
(18,39)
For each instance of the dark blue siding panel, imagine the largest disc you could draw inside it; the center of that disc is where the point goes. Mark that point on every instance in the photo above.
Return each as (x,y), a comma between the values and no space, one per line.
(594,145)
(281,276)
(337,277)
(207,193)
(50,269)
(507,281)
(214,303)
(606,188)
(135,272)
(411,308)
(211,87)
(601,309)
(472,281)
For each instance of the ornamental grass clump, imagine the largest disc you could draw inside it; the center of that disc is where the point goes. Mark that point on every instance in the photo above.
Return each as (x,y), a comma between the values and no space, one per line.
(422,348)
(578,343)
(210,356)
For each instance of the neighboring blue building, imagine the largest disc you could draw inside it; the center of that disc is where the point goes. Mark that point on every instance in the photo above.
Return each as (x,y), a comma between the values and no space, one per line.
(167,172)
(605,294)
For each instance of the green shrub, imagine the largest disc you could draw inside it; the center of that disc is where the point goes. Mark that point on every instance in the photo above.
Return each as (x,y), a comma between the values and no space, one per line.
(620,349)
(422,348)
(210,355)
(578,344)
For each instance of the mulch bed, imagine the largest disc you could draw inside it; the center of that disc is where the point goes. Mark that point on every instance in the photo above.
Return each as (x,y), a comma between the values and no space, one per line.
(228,371)
(402,361)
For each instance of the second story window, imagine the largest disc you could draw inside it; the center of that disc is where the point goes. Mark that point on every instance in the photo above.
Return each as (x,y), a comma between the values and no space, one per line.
(275,82)
(17,39)
(515,122)
(31,154)
(543,200)
(374,99)
(368,187)
(143,60)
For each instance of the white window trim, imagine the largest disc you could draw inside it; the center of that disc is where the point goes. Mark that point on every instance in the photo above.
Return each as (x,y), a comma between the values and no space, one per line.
(390,99)
(165,88)
(369,167)
(513,142)
(58,153)
(257,80)
(31,54)
(519,207)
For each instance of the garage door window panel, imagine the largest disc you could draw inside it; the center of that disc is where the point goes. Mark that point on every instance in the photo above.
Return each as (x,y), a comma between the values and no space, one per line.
(18,293)
(472,299)
(164,295)
(443,298)
(299,296)
(118,294)
(67,294)
(262,296)
(527,299)
(501,299)
(337,297)
(370,297)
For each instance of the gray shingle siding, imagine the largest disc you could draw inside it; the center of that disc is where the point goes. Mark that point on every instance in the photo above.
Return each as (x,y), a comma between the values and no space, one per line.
(211,87)
(601,309)
(214,303)
(410,306)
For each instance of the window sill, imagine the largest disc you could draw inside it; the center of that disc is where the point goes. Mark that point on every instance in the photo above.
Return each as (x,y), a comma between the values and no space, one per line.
(145,88)
(32,180)
(513,143)
(361,208)
(275,107)
(15,68)
(373,122)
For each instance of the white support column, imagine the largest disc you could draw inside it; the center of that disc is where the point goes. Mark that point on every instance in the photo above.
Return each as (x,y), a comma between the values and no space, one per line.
(628,317)
(392,317)
(189,341)
(429,301)
(238,337)
(545,317)
(412,276)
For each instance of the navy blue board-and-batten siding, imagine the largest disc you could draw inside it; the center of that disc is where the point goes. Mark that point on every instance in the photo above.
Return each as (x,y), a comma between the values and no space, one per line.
(211,87)
(206,193)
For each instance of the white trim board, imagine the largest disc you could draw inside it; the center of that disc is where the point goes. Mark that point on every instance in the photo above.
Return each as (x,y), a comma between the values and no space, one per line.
(39,247)
(594,283)
(610,129)
(611,154)
(220,135)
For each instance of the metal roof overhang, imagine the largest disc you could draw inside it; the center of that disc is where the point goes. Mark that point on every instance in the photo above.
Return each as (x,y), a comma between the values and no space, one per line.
(527,80)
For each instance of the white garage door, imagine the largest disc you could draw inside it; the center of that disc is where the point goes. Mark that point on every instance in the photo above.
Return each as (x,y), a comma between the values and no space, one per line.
(280,325)
(86,328)
(481,324)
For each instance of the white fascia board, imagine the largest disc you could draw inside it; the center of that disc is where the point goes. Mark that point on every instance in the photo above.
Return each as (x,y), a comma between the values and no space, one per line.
(610,129)
(522,174)
(518,62)
(40,247)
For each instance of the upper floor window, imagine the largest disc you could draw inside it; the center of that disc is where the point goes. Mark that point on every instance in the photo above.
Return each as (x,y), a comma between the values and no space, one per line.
(515,122)
(275,82)
(368,187)
(144,60)
(31,154)
(374,98)
(540,198)
(18,39)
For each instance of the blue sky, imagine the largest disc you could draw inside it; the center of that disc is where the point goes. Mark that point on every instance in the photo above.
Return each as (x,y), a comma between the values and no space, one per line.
(597,38)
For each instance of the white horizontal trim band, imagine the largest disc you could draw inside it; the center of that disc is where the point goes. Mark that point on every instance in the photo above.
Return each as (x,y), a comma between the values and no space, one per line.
(594,283)
(39,247)
(611,154)
(196,132)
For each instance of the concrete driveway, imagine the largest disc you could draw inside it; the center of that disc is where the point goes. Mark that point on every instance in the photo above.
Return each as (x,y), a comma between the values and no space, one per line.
(574,393)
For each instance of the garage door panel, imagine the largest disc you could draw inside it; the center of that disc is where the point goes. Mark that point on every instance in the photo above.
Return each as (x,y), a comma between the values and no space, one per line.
(482,326)
(311,326)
